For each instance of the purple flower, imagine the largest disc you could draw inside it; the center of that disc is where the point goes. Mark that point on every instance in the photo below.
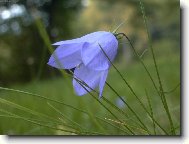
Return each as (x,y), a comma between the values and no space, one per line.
(86,56)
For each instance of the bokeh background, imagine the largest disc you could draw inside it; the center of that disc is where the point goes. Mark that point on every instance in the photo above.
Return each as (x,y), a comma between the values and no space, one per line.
(24,54)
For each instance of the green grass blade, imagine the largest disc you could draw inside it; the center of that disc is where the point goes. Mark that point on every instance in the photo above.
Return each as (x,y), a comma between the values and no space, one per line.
(42,97)
(16,106)
(131,91)
(115,107)
(113,125)
(164,101)
(75,123)
(104,106)
(151,111)
(38,122)
(136,115)
(64,116)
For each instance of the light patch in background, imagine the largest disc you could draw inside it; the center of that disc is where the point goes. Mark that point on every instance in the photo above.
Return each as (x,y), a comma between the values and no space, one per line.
(85,3)
(120,103)
(6,14)
(15,26)
(3,28)
(17,10)
(14,11)
(2,140)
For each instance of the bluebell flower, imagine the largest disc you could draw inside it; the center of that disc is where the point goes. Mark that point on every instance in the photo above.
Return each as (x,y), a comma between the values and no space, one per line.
(86,56)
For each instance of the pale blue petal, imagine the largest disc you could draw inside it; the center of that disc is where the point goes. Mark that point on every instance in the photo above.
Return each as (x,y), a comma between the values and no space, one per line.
(104,75)
(77,40)
(92,37)
(93,56)
(95,36)
(66,56)
(90,77)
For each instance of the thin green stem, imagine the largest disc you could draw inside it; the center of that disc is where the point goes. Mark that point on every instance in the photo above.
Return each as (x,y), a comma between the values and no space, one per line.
(103,105)
(102,119)
(44,125)
(115,107)
(156,67)
(42,97)
(64,116)
(143,125)
(128,87)
(151,111)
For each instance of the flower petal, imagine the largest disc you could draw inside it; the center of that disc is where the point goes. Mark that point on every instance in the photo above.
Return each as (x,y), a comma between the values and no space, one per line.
(90,77)
(95,36)
(77,40)
(86,38)
(66,56)
(93,56)
(102,82)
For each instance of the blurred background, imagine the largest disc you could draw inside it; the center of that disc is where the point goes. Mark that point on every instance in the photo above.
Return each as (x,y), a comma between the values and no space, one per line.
(23,53)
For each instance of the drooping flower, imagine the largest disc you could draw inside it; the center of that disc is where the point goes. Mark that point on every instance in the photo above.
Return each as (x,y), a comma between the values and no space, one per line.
(86,56)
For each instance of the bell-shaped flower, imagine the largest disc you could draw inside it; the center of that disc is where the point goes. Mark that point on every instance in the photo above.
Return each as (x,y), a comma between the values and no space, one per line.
(85,54)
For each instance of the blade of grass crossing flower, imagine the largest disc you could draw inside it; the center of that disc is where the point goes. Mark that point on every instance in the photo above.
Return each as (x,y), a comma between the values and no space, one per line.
(82,83)
(105,99)
(45,37)
(156,67)
(129,88)
(125,83)
(104,106)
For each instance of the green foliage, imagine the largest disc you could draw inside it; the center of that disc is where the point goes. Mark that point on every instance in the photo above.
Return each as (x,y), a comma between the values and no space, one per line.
(23,54)
(57,89)
(149,87)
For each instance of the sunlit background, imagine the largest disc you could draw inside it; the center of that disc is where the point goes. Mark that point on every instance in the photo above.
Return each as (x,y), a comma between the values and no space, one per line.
(24,54)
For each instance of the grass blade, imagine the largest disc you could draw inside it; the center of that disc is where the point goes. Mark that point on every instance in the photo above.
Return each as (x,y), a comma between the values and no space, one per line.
(151,111)
(42,97)
(164,101)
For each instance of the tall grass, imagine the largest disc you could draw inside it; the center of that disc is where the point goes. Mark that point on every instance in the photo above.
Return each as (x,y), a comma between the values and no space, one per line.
(56,111)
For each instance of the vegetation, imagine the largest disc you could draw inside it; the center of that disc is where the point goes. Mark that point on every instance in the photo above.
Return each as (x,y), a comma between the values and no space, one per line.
(47,104)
